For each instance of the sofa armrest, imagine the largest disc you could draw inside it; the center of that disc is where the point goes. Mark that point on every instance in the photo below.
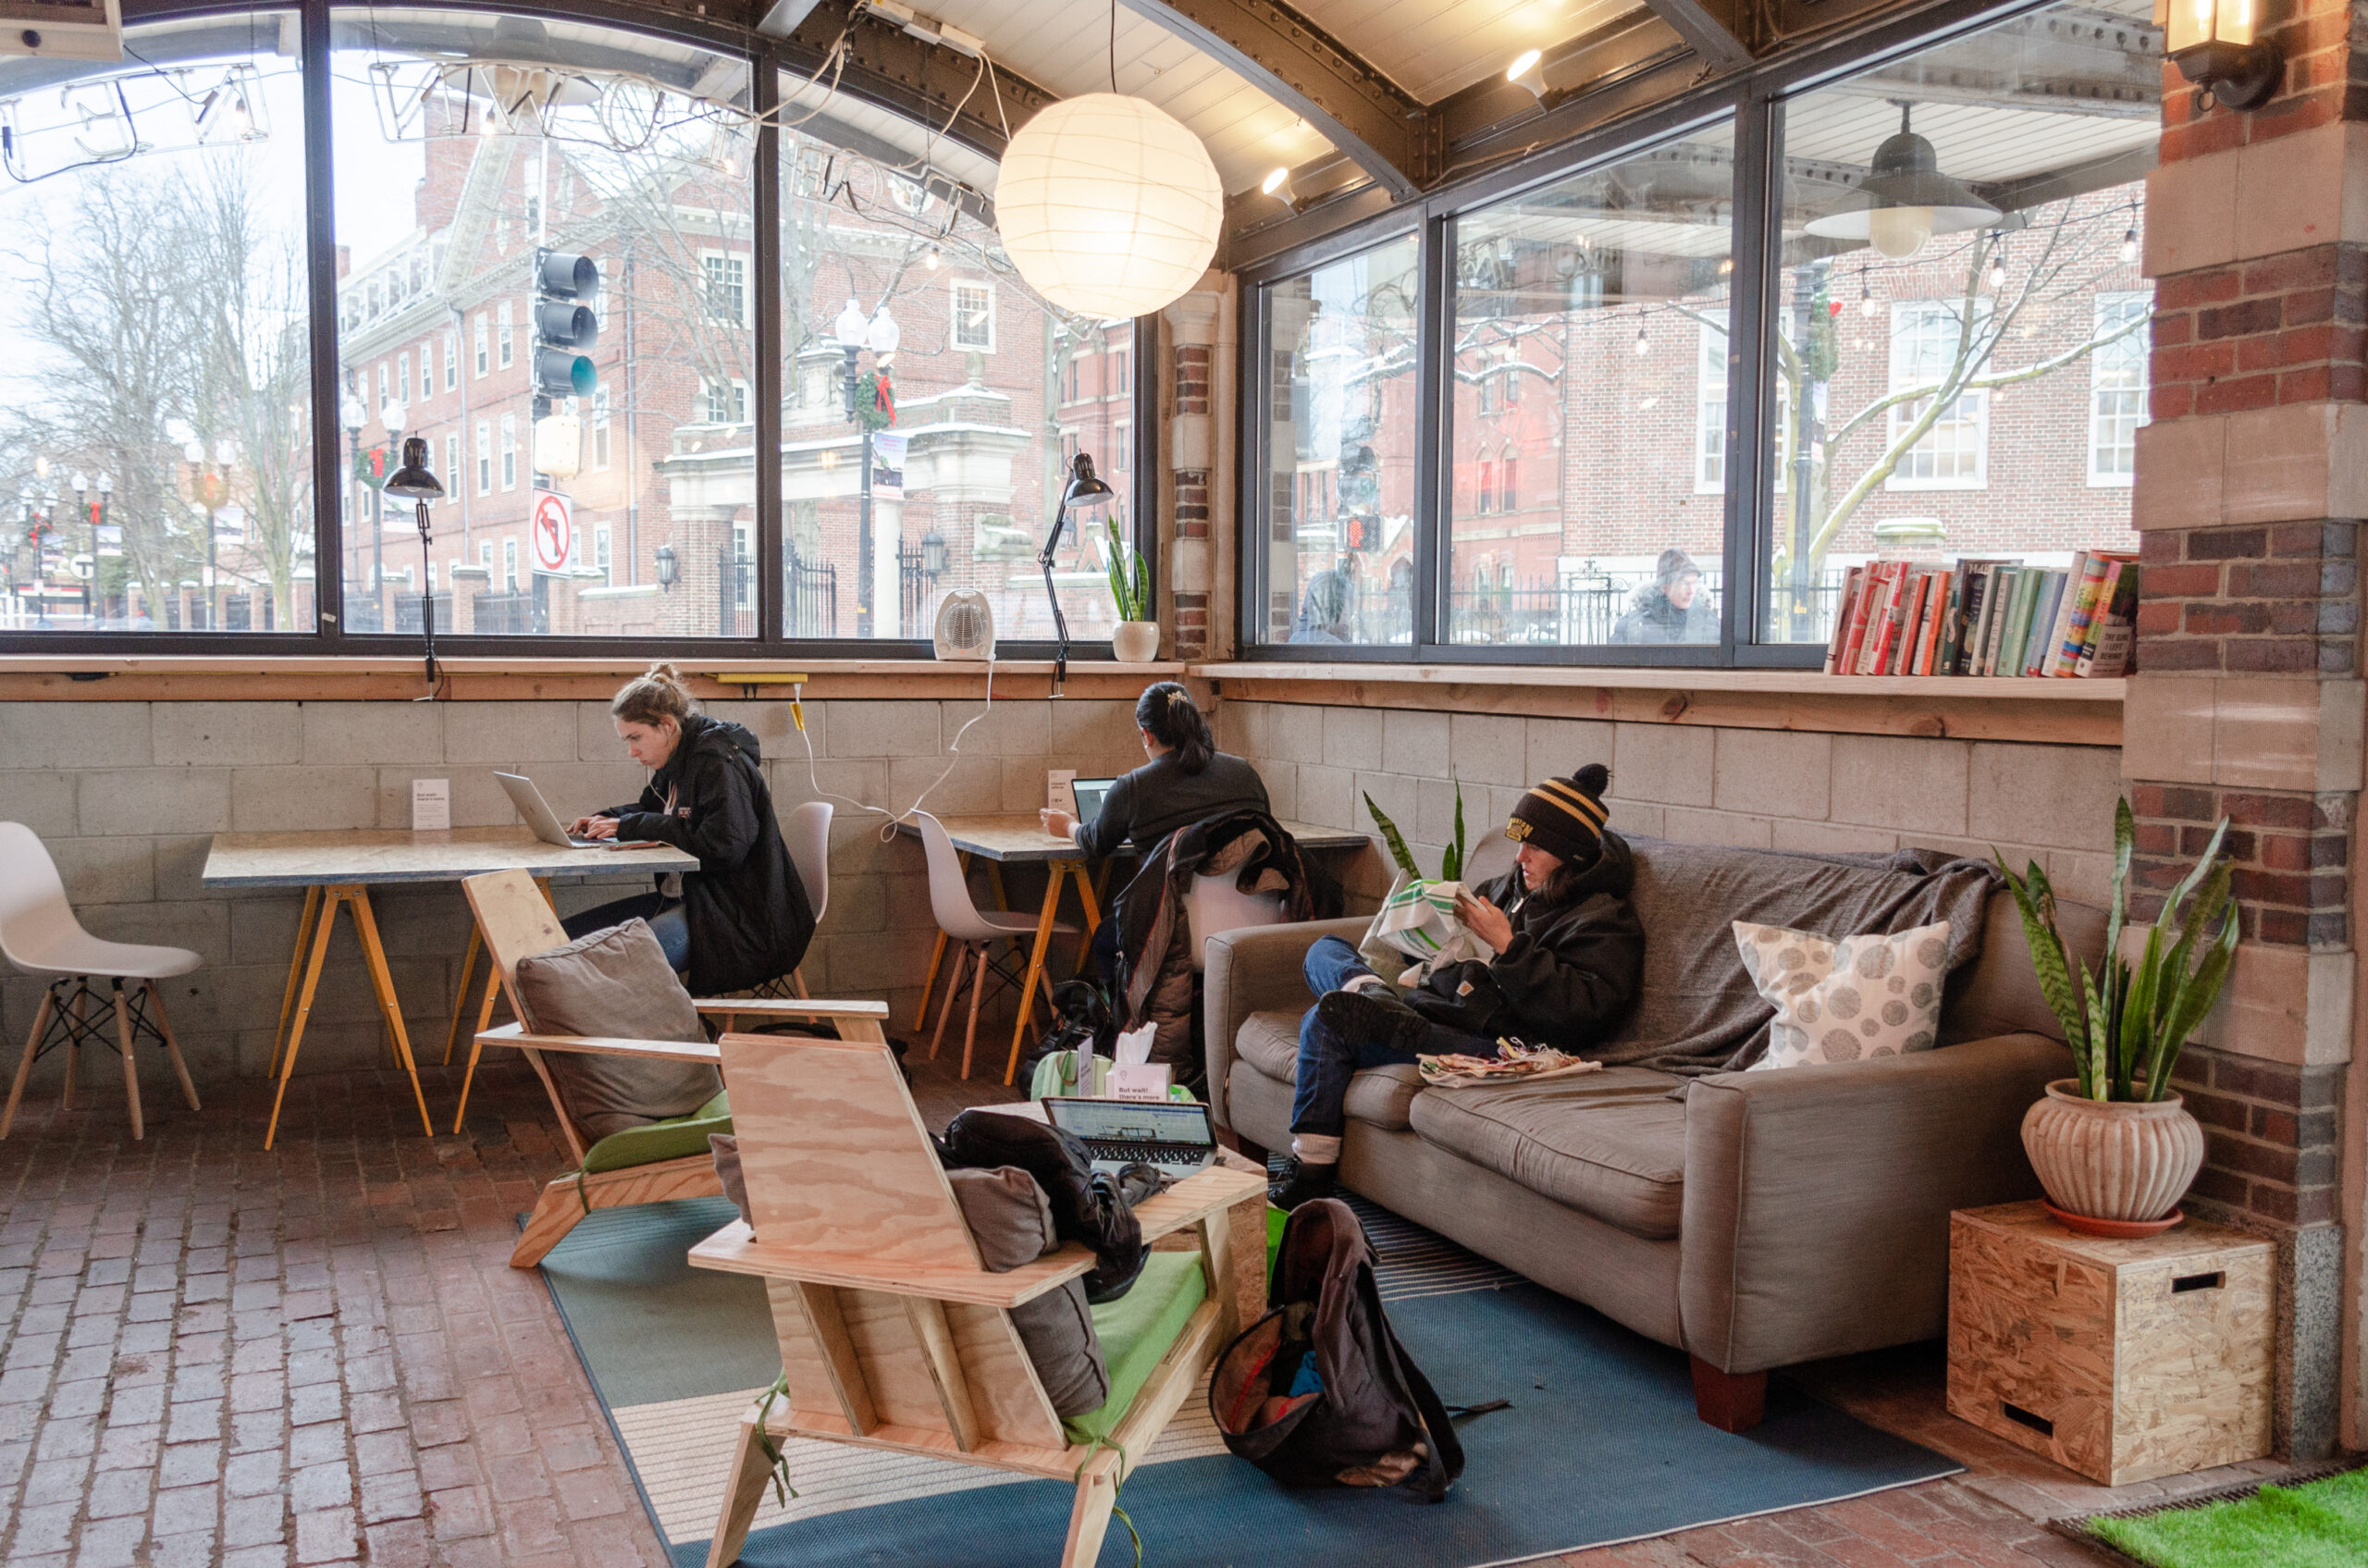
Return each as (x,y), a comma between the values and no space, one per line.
(1816,1203)
(1255,970)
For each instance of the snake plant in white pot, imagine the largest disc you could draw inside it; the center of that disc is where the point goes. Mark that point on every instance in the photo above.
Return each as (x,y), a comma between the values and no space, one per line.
(2112,1144)
(1135,640)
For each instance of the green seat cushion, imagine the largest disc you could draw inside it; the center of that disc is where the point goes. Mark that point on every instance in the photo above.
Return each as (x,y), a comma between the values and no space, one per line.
(1136,1331)
(673,1139)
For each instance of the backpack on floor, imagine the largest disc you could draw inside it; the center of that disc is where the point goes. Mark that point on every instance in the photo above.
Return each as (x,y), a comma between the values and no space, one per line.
(1319,1392)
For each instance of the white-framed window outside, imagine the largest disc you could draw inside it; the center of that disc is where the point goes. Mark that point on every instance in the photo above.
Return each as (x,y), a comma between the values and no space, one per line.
(1122,446)
(452,460)
(452,359)
(383,398)
(481,341)
(726,276)
(403,373)
(427,369)
(509,566)
(727,402)
(601,552)
(2117,387)
(600,425)
(509,451)
(1709,410)
(1927,338)
(974,315)
(506,338)
(484,559)
(484,459)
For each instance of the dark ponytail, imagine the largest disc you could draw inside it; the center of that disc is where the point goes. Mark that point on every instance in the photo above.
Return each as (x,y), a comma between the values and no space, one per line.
(1167,711)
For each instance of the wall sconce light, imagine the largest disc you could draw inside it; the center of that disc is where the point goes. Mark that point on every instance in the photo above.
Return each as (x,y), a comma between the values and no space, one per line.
(669,574)
(2212,43)
(933,555)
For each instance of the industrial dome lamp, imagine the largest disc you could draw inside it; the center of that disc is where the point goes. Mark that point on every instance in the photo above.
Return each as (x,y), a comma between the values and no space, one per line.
(1905,199)
(1108,205)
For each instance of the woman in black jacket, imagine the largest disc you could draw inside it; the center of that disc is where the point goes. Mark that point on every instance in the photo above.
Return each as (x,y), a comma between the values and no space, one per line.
(743,918)
(1568,952)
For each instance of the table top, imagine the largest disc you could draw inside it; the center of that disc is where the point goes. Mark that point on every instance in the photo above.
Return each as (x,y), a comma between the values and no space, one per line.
(1023,838)
(387,854)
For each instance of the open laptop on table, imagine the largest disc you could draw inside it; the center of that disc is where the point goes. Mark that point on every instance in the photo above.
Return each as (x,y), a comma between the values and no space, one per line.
(1091,794)
(1175,1138)
(544,821)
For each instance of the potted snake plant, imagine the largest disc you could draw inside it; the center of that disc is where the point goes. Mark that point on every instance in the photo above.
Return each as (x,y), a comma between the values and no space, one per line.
(1135,640)
(2113,1145)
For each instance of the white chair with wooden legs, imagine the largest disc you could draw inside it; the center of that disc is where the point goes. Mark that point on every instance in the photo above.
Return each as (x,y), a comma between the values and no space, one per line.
(977,931)
(892,1334)
(805,834)
(644,1165)
(40,935)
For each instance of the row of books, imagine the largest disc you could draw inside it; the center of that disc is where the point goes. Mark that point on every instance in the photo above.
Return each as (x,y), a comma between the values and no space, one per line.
(1989,617)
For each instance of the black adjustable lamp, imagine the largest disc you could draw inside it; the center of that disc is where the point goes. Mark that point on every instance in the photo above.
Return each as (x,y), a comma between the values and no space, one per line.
(1084,491)
(414,482)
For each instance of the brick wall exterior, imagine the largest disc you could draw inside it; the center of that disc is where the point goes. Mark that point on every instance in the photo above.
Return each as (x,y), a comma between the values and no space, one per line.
(1189,616)
(2271,1130)
(2276,599)
(2291,853)
(2283,330)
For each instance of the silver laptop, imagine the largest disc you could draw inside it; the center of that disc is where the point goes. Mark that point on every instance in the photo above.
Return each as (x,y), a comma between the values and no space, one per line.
(540,817)
(1091,794)
(1174,1137)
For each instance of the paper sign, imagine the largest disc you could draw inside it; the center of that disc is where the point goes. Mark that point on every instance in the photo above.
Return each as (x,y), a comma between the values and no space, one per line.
(431,805)
(1059,791)
(1138,1081)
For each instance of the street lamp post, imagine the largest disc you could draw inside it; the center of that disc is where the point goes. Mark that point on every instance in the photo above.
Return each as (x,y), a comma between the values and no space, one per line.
(881,335)
(350,416)
(81,484)
(98,520)
(392,416)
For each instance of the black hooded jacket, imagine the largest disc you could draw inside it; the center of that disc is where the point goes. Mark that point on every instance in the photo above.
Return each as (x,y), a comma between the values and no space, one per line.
(1654,617)
(749,917)
(1570,971)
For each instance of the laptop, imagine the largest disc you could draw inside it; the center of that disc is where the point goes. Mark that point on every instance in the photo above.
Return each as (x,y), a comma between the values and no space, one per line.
(1091,794)
(1175,1138)
(541,818)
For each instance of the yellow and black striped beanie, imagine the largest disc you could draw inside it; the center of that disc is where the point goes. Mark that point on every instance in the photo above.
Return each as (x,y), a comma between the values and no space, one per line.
(1564,817)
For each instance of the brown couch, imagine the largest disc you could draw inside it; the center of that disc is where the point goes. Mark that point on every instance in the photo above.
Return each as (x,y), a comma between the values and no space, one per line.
(1762,1219)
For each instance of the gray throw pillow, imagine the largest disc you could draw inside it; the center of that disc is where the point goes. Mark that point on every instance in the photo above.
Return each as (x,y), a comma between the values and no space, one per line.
(1012,1222)
(616,983)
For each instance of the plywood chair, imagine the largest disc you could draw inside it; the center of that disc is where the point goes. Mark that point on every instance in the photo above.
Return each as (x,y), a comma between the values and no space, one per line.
(892,1334)
(642,1165)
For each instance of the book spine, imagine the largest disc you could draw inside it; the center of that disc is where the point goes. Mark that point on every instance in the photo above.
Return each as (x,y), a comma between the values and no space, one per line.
(2114,637)
(2017,626)
(1944,657)
(2059,625)
(1841,634)
(1903,606)
(1976,602)
(1993,618)
(1918,659)
(1910,623)
(2088,664)
(1885,587)
(2083,615)
(1936,626)
(2035,641)
(1869,588)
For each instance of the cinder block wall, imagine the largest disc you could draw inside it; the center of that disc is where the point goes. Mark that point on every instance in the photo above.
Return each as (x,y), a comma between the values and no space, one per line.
(128,795)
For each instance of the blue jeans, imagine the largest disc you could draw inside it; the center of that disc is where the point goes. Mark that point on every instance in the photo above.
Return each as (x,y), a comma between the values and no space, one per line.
(1326,1061)
(664,915)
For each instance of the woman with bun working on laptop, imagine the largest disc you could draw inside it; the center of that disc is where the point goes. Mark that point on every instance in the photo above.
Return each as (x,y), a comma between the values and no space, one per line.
(743,918)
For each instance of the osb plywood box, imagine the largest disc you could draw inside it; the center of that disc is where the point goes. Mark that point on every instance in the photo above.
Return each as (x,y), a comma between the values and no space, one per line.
(2121,1360)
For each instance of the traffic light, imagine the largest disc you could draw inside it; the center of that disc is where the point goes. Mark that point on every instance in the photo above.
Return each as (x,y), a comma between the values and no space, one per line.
(566,326)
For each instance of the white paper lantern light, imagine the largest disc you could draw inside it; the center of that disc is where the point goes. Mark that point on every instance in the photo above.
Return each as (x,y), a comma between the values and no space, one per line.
(1108,206)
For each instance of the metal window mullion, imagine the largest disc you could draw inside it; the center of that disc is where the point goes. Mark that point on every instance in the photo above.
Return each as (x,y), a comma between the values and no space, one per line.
(765,279)
(1253,527)
(1433,470)
(320,256)
(1753,243)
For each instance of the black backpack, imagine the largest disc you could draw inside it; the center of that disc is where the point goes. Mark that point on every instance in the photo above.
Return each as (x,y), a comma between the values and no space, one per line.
(1364,1414)
(1091,1206)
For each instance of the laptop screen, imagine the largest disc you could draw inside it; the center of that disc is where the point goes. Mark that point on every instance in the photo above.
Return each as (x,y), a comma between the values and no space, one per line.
(1091,794)
(1129,1121)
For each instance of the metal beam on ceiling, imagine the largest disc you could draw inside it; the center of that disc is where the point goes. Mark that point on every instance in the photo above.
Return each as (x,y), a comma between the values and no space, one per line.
(1362,112)
(921,81)
(1709,29)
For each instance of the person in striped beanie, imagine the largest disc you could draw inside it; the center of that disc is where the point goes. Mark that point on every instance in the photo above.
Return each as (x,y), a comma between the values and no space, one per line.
(1566,954)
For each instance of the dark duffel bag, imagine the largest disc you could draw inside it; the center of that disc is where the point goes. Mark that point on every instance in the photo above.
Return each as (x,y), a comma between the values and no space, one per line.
(1088,1207)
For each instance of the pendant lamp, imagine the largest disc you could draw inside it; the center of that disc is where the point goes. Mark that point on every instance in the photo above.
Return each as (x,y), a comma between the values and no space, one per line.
(1108,205)
(1904,200)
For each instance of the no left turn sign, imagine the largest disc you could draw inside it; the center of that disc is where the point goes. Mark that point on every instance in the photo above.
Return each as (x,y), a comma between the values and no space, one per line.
(553,532)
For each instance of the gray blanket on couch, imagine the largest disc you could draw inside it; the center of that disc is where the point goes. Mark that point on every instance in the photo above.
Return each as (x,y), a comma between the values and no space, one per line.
(1697,1011)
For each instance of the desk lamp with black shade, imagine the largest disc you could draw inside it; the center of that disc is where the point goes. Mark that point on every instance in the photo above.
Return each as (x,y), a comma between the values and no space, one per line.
(1084,492)
(414,482)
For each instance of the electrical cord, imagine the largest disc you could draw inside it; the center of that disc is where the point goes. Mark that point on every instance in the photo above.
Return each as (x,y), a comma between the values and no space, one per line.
(953,751)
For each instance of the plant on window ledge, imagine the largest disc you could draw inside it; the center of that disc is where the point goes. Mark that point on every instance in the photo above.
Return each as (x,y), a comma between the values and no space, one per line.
(1129,575)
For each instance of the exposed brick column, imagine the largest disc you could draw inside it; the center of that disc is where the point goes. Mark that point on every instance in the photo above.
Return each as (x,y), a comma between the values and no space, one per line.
(1192,323)
(2250,485)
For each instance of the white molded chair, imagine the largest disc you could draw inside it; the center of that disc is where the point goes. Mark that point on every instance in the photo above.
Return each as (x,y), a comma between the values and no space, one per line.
(959,917)
(805,834)
(1214,906)
(40,935)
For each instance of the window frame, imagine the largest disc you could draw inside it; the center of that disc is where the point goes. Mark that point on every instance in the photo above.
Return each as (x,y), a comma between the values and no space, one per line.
(2107,301)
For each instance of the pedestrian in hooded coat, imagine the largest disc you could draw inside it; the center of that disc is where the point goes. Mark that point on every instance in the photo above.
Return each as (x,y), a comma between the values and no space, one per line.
(1672,607)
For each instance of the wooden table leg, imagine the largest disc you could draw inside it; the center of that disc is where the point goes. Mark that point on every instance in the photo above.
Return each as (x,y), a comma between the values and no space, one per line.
(936,954)
(375,956)
(130,1061)
(461,996)
(25,1067)
(321,929)
(172,1046)
(1026,1011)
(1085,896)
(295,970)
(485,1019)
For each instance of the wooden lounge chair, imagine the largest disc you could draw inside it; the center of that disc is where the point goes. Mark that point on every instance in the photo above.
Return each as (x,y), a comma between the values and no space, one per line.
(643,1165)
(894,1336)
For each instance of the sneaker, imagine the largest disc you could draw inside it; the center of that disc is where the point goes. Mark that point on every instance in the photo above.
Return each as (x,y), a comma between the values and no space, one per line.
(1301,1182)
(1368,1019)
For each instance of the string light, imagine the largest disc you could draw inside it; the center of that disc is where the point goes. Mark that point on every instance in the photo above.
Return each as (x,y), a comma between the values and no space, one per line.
(1998,264)
(1866,293)
(2129,244)
(1643,344)
(929,261)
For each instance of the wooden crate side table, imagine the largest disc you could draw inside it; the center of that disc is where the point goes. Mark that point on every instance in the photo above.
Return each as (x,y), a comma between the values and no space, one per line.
(2120,1359)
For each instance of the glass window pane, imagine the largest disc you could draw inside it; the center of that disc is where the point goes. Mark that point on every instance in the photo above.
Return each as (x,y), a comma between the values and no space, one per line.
(156,431)
(1960,361)
(958,394)
(469,144)
(1589,423)
(1340,405)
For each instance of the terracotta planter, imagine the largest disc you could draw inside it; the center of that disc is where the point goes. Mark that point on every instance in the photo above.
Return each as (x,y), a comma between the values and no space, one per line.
(1135,642)
(2111,1159)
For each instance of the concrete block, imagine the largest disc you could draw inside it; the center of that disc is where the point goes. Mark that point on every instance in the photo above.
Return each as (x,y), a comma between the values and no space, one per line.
(1559,747)
(1092,727)
(867,965)
(263,930)
(2060,796)
(1241,727)
(1352,737)
(1396,793)
(1686,826)
(1774,772)
(1295,732)
(74,735)
(2191,214)
(2181,473)
(865,782)
(1489,749)
(2278,467)
(343,733)
(283,799)
(1325,797)
(478,799)
(1415,743)
(857,905)
(180,869)
(227,735)
(884,729)
(774,725)
(596,733)
(202,928)
(1830,838)
(1668,763)
(1025,786)
(105,870)
(506,735)
(1282,790)
(2266,734)
(1635,819)
(1009,729)
(1897,782)
(145,801)
(2081,877)
(1434,820)
(42,799)
(955,785)
(2167,728)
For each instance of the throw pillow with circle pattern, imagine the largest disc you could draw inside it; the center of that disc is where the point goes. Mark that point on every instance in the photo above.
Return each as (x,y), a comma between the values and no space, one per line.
(1846,999)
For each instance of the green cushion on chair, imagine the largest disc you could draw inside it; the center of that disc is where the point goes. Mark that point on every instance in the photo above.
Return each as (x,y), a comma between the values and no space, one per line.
(1136,1331)
(673,1139)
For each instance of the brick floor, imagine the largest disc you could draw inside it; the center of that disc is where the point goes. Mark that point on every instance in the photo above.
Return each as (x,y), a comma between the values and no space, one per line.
(215,1355)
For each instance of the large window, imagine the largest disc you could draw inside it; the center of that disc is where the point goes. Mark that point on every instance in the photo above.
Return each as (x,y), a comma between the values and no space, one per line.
(155,430)
(1341,391)
(1590,327)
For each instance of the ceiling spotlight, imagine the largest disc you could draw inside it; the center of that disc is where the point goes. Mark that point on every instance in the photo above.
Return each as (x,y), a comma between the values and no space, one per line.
(1525,71)
(1278,184)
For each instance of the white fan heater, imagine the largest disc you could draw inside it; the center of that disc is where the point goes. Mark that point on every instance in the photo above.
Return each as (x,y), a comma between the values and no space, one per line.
(966,626)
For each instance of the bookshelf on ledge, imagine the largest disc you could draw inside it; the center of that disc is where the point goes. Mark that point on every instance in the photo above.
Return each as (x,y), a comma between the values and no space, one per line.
(1987,617)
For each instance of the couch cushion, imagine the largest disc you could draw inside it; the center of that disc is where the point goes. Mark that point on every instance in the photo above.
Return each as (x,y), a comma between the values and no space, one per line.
(1998,993)
(1012,1222)
(1269,1042)
(1136,1331)
(616,982)
(1611,1143)
(673,1138)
